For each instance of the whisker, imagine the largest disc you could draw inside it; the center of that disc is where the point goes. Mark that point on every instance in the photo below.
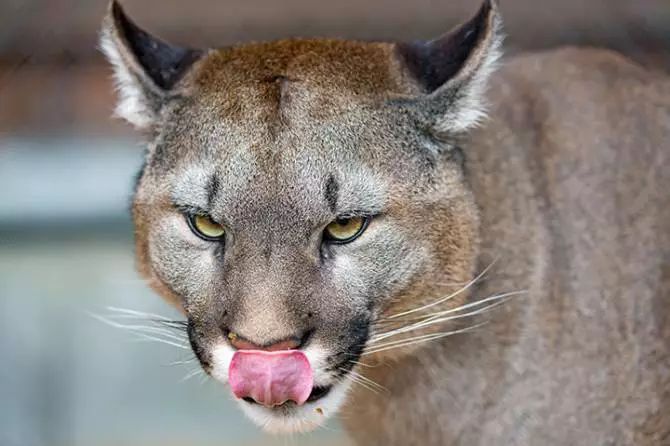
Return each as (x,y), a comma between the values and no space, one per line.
(439,317)
(126,313)
(363,384)
(155,330)
(421,339)
(144,337)
(178,326)
(369,381)
(479,302)
(141,328)
(402,341)
(363,364)
(145,332)
(174,324)
(191,374)
(140,314)
(324,427)
(450,296)
(186,361)
(428,322)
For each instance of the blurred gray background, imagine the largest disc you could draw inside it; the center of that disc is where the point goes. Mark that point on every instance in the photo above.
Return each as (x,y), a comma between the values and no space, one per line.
(66,168)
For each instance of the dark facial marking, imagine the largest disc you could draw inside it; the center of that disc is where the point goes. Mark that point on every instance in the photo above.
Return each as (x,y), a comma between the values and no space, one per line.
(199,351)
(212,190)
(139,174)
(330,192)
(357,335)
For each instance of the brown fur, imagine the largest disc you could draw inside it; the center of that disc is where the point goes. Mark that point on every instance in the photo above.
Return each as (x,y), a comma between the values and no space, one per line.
(571,176)
(566,185)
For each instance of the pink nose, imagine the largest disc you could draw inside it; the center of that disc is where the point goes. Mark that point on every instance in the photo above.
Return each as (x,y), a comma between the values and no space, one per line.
(271,378)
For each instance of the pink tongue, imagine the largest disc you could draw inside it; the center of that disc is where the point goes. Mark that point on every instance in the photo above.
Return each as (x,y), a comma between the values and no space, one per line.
(271,378)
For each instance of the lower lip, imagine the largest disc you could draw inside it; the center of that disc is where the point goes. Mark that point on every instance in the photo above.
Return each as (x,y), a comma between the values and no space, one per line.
(317,394)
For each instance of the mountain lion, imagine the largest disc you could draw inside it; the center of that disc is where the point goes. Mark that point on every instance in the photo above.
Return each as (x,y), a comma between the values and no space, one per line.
(345,232)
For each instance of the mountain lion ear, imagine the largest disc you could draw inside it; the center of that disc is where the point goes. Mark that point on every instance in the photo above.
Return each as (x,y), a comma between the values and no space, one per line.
(147,70)
(452,70)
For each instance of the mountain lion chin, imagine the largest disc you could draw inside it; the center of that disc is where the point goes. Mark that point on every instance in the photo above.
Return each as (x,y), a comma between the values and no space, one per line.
(291,418)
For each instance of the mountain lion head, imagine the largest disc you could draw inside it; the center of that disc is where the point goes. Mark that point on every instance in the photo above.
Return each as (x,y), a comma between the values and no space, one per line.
(299,195)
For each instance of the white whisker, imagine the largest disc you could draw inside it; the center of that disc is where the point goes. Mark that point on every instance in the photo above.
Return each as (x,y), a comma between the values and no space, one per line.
(187,361)
(203,378)
(402,341)
(428,322)
(145,337)
(140,328)
(439,317)
(153,330)
(355,379)
(139,314)
(479,302)
(369,381)
(450,296)
(192,373)
(146,332)
(420,339)
(362,364)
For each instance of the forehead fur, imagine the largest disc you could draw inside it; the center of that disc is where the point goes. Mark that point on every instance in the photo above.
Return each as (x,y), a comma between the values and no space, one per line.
(281,110)
(291,74)
(360,67)
(270,123)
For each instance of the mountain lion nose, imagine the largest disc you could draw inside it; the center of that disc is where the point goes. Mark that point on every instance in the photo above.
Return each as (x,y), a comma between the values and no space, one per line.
(240,343)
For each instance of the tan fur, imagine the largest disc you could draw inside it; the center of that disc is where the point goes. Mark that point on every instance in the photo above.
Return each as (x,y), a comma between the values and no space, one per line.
(571,175)
(562,199)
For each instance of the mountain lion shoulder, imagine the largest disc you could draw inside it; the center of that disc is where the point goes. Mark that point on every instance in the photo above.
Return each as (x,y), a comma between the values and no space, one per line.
(345,232)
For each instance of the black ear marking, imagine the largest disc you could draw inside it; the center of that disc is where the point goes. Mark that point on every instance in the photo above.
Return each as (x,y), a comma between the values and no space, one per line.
(434,62)
(163,63)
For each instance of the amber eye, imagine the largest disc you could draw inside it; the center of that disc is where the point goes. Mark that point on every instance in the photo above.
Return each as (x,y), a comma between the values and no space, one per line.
(345,230)
(205,228)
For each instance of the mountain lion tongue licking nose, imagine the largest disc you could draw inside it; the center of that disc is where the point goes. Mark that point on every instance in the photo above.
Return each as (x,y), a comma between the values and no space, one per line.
(271,378)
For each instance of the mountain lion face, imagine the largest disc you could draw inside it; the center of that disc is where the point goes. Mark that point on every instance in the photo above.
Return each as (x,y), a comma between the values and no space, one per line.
(298,195)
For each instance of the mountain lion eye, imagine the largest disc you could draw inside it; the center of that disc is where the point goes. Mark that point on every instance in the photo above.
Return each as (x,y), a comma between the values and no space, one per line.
(345,230)
(205,228)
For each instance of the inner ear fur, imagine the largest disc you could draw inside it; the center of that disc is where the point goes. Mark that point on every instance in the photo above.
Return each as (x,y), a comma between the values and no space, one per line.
(452,70)
(147,69)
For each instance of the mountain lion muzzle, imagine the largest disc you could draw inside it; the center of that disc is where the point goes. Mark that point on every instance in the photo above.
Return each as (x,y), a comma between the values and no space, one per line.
(344,231)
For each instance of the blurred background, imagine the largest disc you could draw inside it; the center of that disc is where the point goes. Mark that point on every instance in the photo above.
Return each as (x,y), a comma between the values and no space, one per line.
(66,169)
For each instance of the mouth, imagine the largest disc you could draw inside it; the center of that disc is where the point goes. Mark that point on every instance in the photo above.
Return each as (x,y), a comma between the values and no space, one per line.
(317,393)
(282,392)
